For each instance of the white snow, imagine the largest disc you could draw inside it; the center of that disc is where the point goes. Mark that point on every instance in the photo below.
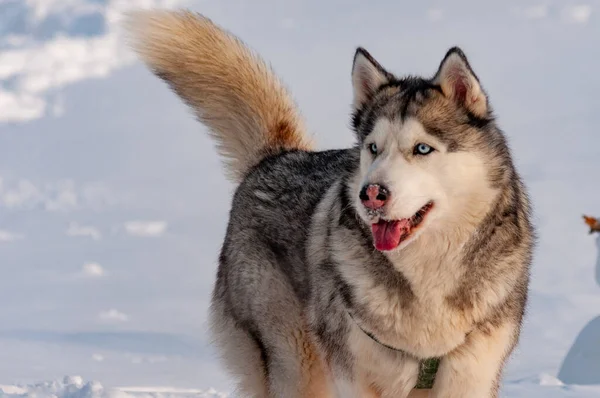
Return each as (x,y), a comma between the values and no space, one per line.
(579,14)
(145,228)
(541,386)
(113,315)
(533,12)
(39,65)
(59,195)
(93,270)
(76,387)
(7,236)
(75,229)
(98,357)
(18,193)
(435,14)
(287,23)
(546,386)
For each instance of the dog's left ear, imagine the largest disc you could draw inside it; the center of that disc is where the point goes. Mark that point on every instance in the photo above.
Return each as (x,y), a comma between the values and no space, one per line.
(459,82)
(367,76)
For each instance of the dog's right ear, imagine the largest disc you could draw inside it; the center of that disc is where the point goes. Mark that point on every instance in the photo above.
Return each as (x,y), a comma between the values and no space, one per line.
(367,76)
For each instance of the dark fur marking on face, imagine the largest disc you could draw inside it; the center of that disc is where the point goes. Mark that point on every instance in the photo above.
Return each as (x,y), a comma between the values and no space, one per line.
(422,99)
(411,91)
(414,92)
(452,145)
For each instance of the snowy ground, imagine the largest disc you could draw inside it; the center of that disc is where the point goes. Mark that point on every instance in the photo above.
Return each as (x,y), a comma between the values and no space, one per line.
(108,247)
(75,387)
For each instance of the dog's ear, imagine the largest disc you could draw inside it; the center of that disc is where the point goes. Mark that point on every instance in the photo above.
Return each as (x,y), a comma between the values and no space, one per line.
(459,82)
(367,77)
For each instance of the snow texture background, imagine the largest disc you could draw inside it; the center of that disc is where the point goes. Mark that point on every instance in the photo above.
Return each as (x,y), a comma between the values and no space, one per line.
(113,203)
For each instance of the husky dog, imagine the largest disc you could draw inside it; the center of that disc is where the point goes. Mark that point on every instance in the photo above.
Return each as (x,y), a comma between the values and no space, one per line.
(343,270)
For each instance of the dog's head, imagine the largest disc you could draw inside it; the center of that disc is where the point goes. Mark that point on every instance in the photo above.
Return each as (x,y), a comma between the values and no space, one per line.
(431,156)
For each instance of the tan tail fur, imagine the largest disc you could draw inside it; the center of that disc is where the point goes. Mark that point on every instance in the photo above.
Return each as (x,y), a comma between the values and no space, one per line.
(231,89)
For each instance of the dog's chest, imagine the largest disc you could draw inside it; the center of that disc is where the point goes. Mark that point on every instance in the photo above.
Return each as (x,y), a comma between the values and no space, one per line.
(421,323)
(423,329)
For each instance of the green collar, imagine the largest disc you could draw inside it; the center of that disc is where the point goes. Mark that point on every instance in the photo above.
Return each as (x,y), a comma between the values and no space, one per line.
(427,371)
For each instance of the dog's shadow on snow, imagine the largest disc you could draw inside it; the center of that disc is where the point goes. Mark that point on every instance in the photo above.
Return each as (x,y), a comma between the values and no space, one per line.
(582,363)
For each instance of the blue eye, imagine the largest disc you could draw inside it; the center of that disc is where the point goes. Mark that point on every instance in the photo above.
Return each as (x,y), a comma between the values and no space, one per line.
(373,148)
(422,149)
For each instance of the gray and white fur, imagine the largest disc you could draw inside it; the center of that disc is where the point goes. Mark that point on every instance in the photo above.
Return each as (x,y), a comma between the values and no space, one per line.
(342,270)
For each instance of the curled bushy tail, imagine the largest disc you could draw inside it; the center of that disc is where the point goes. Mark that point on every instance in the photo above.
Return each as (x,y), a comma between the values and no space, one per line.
(232,91)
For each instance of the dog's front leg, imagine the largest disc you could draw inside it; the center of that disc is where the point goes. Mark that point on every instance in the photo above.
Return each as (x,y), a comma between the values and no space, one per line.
(473,369)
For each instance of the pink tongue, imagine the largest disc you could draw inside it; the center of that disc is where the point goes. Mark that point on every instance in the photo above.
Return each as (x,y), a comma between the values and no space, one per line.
(389,234)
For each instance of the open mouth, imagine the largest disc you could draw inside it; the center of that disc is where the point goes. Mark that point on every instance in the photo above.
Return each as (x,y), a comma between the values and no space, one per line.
(388,234)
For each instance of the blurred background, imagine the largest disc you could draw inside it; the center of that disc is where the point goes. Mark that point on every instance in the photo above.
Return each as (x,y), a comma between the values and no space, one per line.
(113,203)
